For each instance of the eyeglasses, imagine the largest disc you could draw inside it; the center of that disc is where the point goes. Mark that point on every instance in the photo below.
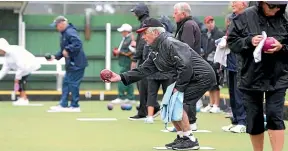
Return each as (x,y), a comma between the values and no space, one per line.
(272,6)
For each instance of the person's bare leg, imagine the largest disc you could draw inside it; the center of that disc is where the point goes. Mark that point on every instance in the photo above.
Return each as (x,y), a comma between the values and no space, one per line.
(23,95)
(276,139)
(216,97)
(150,110)
(189,141)
(211,96)
(185,126)
(257,142)
(178,128)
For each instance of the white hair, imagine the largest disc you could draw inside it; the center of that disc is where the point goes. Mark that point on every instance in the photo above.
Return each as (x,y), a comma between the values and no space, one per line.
(153,29)
(245,3)
(183,7)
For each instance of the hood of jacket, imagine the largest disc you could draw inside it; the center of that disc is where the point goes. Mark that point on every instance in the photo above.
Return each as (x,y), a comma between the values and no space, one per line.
(165,20)
(280,13)
(4,45)
(141,10)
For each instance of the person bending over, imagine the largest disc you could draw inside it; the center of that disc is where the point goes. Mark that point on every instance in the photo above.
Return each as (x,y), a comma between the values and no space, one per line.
(194,75)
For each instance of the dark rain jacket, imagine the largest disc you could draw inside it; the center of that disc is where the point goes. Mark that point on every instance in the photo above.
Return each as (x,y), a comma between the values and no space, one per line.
(147,50)
(142,12)
(272,72)
(170,54)
(71,42)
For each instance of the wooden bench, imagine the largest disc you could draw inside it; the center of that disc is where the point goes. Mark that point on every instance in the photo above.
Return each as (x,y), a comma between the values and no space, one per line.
(59,72)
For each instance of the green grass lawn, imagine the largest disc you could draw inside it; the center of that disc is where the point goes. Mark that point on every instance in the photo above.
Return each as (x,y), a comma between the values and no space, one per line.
(33,129)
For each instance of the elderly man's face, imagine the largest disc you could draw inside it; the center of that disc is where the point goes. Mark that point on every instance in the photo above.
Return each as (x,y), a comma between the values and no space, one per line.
(149,37)
(124,33)
(238,6)
(178,16)
(270,10)
(61,26)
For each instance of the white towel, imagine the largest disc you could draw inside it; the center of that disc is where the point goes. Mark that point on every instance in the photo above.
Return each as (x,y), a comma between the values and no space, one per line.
(221,52)
(258,50)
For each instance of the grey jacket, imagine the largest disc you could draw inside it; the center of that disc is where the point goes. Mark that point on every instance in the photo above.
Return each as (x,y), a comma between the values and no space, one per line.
(188,32)
(169,54)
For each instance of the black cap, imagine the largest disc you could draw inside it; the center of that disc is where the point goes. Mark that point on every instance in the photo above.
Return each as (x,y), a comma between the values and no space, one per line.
(151,22)
(276,2)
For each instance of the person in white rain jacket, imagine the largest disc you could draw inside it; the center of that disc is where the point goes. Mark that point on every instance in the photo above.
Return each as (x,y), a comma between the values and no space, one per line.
(20,60)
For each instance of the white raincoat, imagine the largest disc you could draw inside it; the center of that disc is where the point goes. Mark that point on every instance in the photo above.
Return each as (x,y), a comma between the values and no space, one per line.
(17,58)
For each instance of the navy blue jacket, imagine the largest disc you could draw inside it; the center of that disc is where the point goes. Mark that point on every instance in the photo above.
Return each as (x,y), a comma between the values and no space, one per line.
(231,57)
(71,42)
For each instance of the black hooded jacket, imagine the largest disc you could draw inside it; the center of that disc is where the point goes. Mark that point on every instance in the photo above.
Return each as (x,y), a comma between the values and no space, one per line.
(272,72)
(142,13)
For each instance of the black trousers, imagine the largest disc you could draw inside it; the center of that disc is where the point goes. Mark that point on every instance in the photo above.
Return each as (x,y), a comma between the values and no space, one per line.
(253,101)
(143,93)
(153,88)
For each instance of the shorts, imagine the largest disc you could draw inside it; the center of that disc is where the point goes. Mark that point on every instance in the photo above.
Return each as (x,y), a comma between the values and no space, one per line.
(253,101)
(193,93)
(219,76)
(196,90)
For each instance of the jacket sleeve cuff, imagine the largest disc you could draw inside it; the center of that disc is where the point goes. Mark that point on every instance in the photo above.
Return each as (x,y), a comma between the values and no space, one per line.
(123,79)
(249,42)
(285,47)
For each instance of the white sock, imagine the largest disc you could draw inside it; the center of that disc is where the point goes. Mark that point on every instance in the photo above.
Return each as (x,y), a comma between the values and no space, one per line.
(190,135)
(192,125)
(180,133)
(215,105)
(150,117)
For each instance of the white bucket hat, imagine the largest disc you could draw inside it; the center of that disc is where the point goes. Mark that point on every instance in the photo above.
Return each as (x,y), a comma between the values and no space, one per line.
(125,27)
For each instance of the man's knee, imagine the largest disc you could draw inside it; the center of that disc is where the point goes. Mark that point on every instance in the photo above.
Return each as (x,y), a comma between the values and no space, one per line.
(275,119)
(255,124)
(190,109)
(186,107)
(274,109)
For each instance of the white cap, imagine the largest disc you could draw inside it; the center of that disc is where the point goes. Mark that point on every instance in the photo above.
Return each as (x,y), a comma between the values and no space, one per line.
(125,27)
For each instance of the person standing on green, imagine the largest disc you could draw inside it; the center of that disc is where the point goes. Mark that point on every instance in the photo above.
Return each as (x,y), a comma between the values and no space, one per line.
(124,53)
